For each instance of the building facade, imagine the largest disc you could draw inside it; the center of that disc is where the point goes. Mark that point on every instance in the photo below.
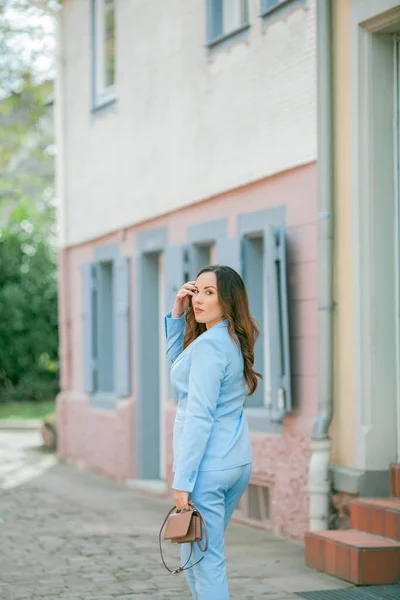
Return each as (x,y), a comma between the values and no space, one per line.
(187,136)
(366,90)
(362,83)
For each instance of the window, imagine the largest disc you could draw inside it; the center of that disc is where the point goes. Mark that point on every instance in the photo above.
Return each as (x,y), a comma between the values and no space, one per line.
(105,328)
(225,18)
(270,6)
(104,324)
(263,252)
(99,349)
(258,503)
(253,259)
(199,256)
(254,505)
(103,51)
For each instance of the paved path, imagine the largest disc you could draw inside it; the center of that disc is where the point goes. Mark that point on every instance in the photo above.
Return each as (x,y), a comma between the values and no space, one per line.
(19,459)
(69,534)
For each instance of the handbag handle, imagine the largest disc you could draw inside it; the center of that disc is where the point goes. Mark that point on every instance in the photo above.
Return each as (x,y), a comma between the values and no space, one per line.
(184,567)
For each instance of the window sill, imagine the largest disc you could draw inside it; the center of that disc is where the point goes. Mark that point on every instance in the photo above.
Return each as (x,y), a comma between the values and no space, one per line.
(228,39)
(106,106)
(104,400)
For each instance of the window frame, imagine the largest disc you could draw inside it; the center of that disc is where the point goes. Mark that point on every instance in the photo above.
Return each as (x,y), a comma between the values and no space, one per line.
(280,9)
(253,225)
(102,95)
(266,10)
(201,239)
(93,356)
(239,33)
(105,326)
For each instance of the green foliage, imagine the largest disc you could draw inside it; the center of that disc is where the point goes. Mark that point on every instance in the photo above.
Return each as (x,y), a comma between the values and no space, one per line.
(27,41)
(26,410)
(27,157)
(28,282)
(28,316)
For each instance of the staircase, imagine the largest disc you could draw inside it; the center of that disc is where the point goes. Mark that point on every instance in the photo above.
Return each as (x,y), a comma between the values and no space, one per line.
(369,552)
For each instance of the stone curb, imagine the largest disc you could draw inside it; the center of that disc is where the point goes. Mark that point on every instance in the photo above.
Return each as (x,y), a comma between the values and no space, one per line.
(20,425)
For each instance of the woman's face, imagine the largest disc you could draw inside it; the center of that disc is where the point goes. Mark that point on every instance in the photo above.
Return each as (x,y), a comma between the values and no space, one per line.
(205,301)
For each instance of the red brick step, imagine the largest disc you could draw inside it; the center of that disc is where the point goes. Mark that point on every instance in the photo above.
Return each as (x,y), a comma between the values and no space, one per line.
(379,516)
(395,479)
(355,556)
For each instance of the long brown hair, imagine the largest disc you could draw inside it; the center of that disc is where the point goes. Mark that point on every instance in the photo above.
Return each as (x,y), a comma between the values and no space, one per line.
(242,327)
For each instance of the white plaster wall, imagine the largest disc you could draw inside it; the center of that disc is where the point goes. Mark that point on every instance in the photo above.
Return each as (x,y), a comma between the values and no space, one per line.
(184,127)
(375,248)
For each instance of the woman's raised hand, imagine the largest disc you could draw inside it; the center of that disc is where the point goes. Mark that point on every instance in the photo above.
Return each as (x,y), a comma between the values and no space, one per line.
(183,298)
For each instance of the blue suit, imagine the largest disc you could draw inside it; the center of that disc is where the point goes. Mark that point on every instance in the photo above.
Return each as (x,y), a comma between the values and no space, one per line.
(212,451)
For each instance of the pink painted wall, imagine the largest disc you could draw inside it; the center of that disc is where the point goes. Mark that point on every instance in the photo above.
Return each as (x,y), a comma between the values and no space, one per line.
(102,440)
(105,441)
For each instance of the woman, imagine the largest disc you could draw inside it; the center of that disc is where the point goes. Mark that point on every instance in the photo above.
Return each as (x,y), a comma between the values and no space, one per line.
(211,354)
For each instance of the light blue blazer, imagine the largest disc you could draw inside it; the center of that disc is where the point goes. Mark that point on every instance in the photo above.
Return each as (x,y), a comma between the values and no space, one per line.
(210,429)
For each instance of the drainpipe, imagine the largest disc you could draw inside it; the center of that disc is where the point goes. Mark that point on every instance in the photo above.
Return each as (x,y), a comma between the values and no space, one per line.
(319,481)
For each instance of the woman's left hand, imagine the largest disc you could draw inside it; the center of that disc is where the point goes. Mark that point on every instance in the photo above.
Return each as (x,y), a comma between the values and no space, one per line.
(182,500)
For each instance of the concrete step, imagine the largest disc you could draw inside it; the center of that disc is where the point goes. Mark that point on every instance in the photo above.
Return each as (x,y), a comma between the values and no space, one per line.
(379,516)
(395,479)
(355,556)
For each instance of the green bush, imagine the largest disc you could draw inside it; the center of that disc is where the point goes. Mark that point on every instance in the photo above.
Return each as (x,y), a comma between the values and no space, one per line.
(28,316)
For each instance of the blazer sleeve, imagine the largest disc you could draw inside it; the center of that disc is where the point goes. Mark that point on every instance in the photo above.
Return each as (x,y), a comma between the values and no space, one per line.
(207,370)
(174,332)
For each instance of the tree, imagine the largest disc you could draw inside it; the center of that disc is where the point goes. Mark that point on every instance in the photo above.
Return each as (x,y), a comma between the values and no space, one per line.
(27,42)
(28,315)
(27,157)
(28,284)
(26,127)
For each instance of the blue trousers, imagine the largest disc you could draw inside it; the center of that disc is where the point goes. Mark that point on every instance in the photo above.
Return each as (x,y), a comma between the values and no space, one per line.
(216,494)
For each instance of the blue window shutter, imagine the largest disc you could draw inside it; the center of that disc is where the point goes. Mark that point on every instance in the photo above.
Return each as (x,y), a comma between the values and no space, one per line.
(122,339)
(174,273)
(284,318)
(278,332)
(214,19)
(229,253)
(88,278)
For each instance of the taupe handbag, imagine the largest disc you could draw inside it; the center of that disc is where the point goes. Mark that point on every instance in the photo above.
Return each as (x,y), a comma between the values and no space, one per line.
(184,527)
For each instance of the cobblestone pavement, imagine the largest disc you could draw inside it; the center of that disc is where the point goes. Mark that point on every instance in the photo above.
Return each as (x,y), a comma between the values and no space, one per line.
(69,534)
(20,461)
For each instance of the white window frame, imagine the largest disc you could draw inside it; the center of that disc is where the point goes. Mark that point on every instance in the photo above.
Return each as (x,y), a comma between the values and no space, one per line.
(228,25)
(102,94)
(229,7)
